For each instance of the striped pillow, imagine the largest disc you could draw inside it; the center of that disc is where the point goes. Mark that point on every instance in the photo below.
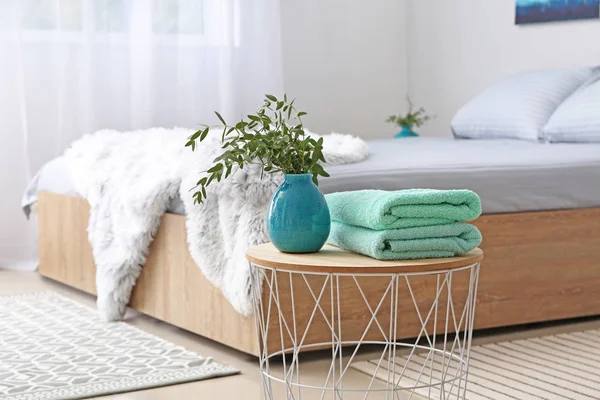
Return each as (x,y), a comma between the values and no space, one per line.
(518,106)
(577,119)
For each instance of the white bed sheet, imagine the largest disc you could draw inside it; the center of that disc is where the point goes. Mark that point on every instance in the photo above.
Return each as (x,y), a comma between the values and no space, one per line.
(508,175)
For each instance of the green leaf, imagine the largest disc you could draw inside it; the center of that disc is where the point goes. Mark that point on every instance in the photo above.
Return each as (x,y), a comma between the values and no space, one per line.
(271,97)
(204,133)
(301,113)
(221,118)
(215,168)
(196,135)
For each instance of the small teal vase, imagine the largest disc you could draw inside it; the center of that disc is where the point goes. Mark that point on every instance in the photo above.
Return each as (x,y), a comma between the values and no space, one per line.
(298,219)
(406,132)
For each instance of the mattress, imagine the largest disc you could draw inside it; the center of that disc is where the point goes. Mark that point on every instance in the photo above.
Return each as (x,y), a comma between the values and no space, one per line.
(508,175)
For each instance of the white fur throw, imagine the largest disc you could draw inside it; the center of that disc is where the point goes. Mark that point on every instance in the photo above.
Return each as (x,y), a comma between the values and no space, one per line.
(129,179)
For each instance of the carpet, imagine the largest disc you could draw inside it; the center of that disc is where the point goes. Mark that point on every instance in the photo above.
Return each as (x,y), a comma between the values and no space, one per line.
(53,348)
(565,366)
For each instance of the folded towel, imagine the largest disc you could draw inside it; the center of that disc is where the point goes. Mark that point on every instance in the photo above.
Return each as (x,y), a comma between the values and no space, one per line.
(409,243)
(379,210)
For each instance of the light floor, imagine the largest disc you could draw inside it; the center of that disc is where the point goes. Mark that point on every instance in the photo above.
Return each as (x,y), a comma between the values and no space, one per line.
(247,385)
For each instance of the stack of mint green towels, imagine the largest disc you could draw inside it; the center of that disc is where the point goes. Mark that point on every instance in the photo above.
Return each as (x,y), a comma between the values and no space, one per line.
(405,224)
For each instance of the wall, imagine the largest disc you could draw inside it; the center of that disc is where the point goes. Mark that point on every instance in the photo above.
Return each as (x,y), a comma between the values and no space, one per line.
(457,48)
(345,62)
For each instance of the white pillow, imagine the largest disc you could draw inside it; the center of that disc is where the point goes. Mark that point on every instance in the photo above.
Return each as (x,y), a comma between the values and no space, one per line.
(577,119)
(518,106)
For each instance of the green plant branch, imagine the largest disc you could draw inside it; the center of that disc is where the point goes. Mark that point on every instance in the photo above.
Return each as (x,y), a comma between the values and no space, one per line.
(412,118)
(267,138)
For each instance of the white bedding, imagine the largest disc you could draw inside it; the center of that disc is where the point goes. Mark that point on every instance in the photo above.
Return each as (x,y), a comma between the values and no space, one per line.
(129,179)
(509,175)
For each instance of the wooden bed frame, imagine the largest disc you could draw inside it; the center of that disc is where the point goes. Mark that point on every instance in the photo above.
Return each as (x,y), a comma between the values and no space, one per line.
(538,266)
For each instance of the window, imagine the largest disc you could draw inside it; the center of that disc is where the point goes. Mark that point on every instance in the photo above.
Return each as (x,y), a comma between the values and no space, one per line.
(51,15)
(163,20)
(178,17)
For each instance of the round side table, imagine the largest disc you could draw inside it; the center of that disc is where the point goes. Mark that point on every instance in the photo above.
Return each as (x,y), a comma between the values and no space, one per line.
(345,302)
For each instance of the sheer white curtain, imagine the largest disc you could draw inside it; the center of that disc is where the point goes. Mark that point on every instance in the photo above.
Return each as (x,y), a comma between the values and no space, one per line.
(69,67)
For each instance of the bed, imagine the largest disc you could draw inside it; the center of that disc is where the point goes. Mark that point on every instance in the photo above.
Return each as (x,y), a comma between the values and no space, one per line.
(541,229)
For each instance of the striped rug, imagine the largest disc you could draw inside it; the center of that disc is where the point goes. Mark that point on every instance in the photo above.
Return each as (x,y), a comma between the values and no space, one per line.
(565,366)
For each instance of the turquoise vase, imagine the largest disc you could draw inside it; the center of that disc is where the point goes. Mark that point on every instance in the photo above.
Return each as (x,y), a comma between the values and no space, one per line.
(298,220)
(406,132)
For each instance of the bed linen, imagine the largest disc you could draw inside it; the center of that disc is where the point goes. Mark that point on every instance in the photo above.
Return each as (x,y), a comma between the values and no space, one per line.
(508,175)
(518,106)
(577,119)
(129,178)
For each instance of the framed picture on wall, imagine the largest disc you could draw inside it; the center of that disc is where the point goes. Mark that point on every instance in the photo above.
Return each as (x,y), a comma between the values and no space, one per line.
(535,11)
